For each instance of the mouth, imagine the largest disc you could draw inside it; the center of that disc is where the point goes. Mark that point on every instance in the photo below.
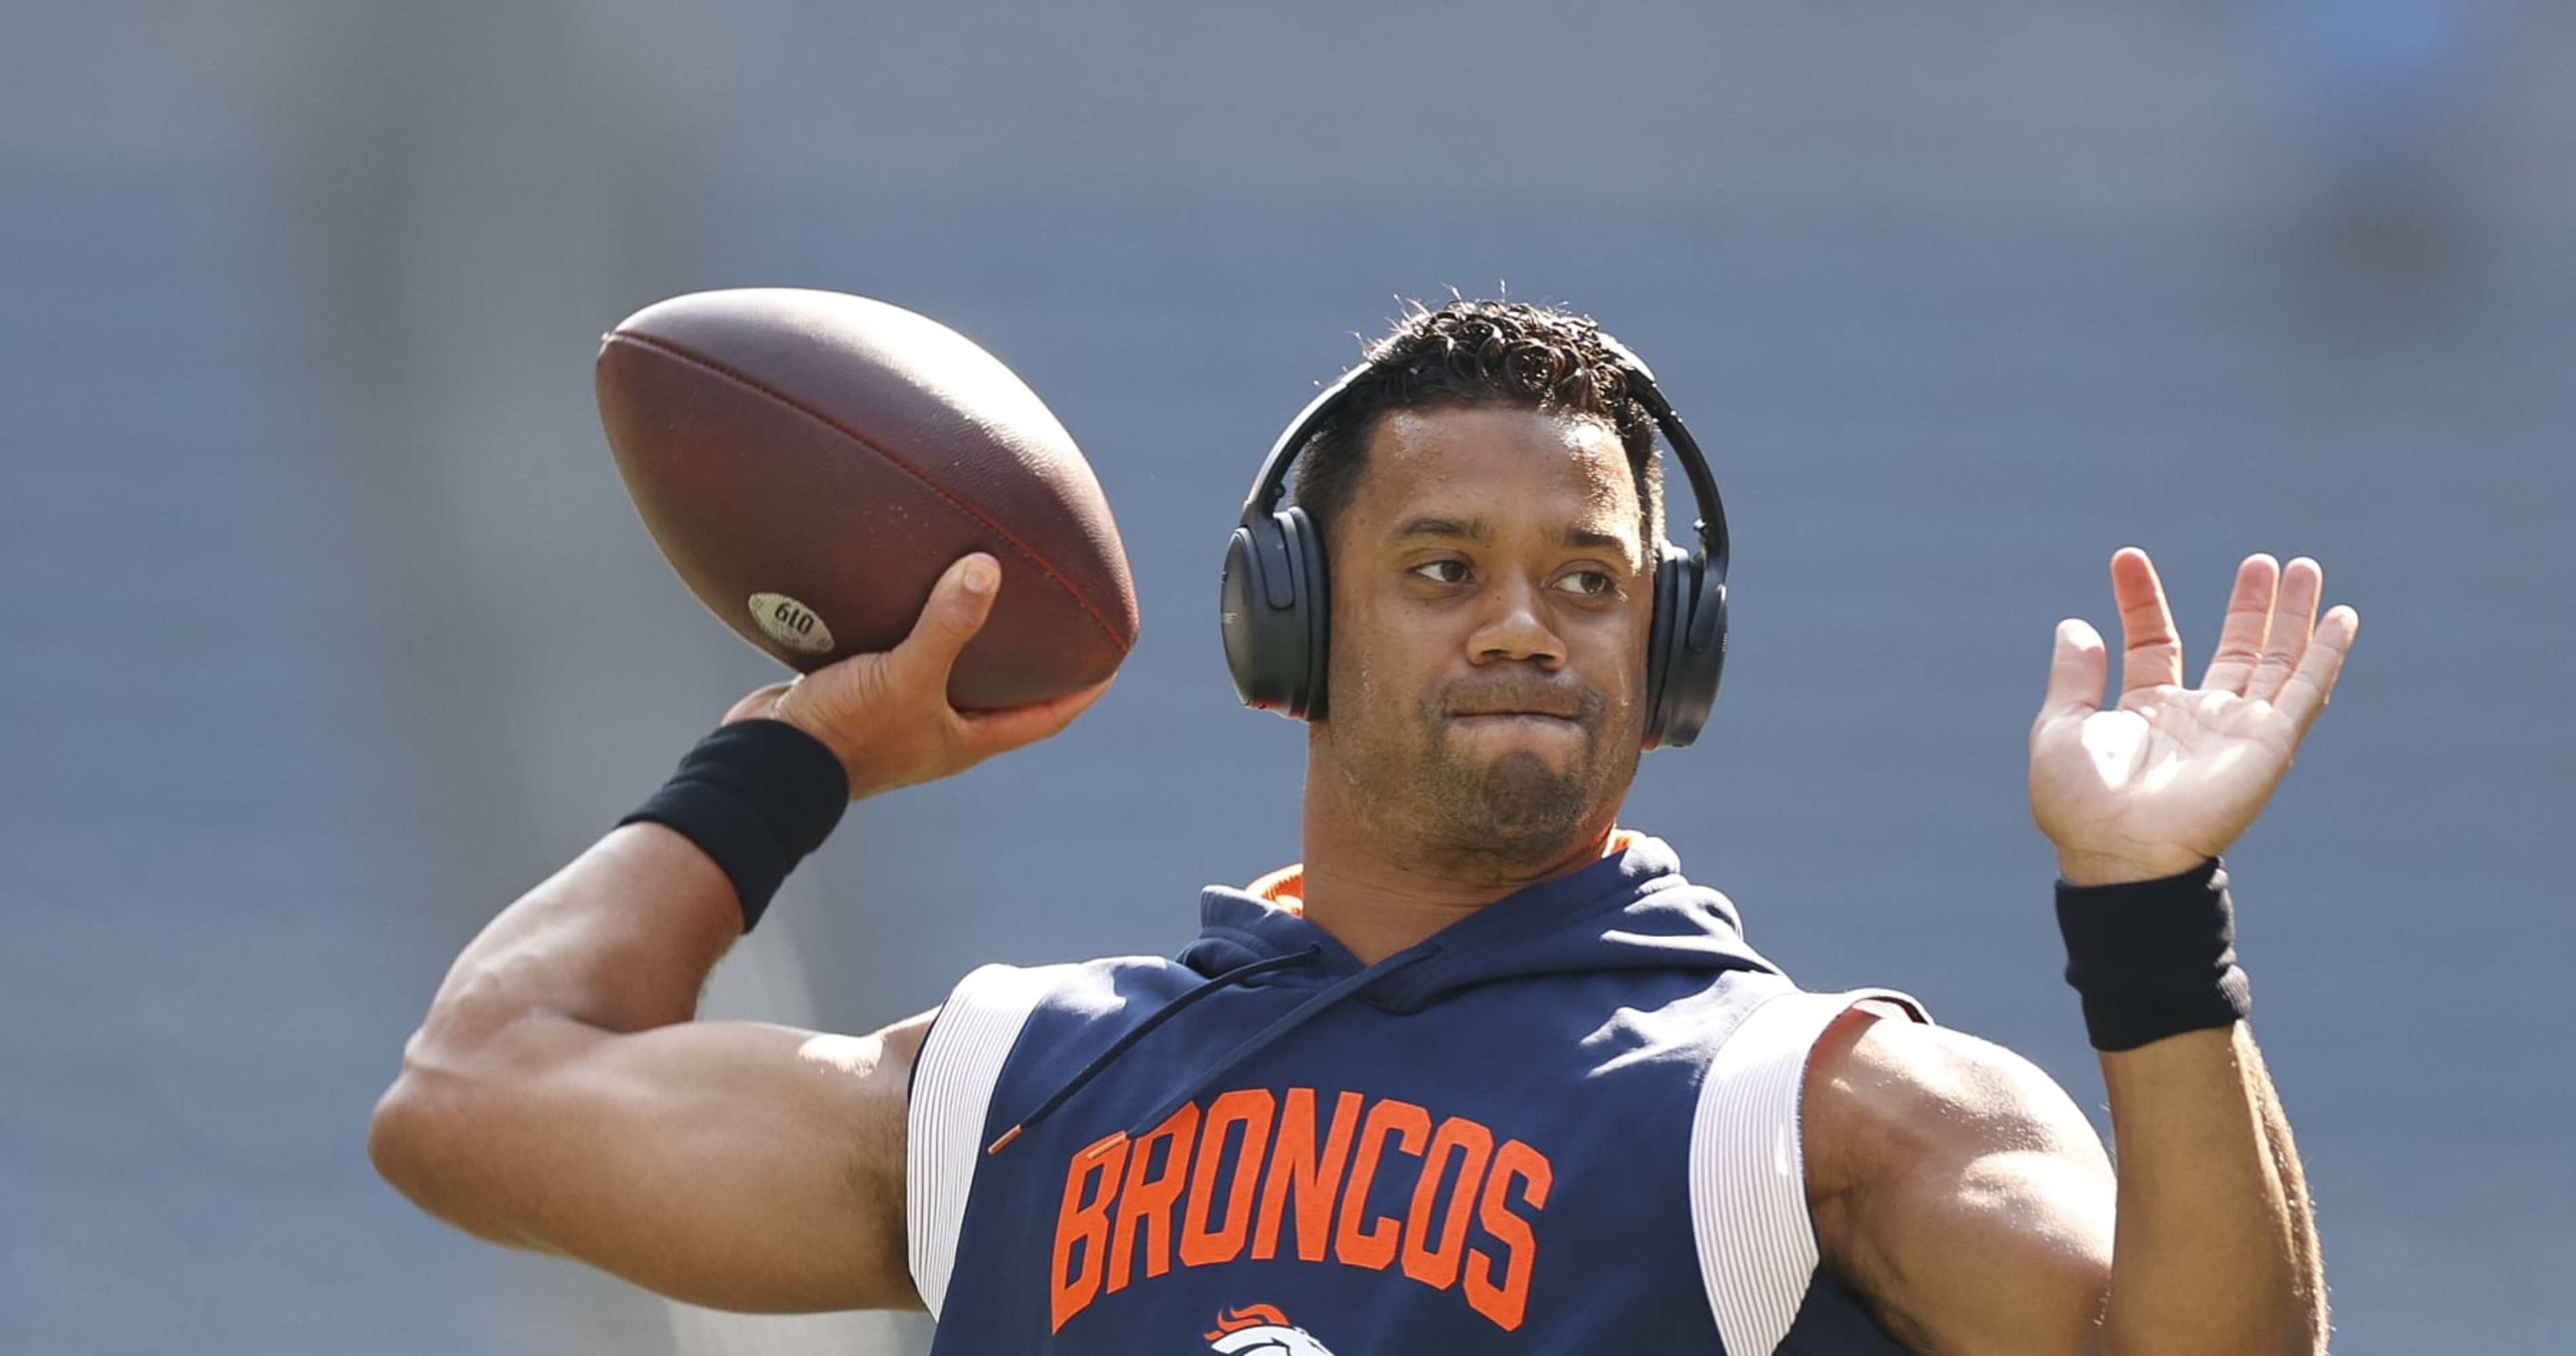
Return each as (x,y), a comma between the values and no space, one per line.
(1521,713)
(1546,710)
(1526,730)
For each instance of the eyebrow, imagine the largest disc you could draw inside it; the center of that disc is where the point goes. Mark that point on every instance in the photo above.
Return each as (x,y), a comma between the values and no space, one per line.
(1479,529)
(1454,529)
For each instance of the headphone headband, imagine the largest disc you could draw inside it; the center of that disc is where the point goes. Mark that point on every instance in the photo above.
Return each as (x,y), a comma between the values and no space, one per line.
(1272,482)
(1270,485)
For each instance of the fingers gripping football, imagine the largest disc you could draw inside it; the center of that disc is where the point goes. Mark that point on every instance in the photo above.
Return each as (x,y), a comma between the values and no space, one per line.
(887,716)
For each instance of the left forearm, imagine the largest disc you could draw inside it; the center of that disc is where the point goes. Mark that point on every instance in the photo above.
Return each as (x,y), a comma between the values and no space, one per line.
(2215,1248)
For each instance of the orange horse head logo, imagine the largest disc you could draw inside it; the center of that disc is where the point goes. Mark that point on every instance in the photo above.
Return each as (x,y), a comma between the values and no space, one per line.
(1261,1330)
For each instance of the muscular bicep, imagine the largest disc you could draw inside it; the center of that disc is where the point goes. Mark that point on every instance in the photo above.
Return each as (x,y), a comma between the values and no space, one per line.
(730,1164)
(1957,1189)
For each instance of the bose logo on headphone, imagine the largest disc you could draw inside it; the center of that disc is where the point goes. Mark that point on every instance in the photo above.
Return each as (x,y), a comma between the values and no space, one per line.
(1274,599)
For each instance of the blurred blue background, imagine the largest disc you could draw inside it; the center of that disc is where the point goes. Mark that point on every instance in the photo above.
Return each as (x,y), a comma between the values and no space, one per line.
(326,627)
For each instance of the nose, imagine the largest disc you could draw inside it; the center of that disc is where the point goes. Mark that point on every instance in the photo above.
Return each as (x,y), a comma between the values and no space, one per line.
(1512,625)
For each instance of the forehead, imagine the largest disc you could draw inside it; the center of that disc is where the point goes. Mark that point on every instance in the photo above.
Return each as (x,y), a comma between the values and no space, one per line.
(1484,461)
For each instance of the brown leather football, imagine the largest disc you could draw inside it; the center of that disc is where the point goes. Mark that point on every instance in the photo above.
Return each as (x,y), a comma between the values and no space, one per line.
(811,462)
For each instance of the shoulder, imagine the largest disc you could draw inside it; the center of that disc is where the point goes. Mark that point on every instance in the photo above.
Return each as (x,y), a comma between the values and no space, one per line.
(1882,1095)
(962,1060)
(962,1054)
(1008,995)
(1941,1167)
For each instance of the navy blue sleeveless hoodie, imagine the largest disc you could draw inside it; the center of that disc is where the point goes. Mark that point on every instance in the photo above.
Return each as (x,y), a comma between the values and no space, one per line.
(1536,1131)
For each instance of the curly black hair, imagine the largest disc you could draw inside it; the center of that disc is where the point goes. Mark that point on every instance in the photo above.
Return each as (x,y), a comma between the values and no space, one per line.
(1466,352)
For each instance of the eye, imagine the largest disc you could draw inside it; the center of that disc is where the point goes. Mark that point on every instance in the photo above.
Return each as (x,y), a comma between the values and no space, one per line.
(1443,571)
(1587,583)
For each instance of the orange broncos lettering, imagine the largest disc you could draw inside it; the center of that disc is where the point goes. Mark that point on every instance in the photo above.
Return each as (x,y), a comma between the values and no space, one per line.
(1082,1225)
(1209,1185)
(1201,1243)
(1312,1175)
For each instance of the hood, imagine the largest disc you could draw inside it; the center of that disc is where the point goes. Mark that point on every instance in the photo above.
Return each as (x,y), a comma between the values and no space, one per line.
(1631,910)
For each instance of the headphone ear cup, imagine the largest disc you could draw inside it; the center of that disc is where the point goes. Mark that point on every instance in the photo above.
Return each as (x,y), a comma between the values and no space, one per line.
(1314,604)
(1685,651)
(1659,640)
(1271,605)
(1239,591)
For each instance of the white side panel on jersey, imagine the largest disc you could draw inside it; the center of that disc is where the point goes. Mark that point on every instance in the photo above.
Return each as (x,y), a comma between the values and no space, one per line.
(1748,1171)
(952,1086)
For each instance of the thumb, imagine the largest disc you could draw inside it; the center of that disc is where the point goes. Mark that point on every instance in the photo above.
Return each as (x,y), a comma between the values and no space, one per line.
(958,606)
(761,703)
(2077,668)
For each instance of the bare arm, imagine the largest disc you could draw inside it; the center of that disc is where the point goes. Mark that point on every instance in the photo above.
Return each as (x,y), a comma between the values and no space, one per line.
(1964,1197)
(2215,1231)
(1957,1188)
(560,1097)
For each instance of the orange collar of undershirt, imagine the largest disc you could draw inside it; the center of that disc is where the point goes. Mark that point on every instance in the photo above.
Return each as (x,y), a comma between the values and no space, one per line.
(1286,887)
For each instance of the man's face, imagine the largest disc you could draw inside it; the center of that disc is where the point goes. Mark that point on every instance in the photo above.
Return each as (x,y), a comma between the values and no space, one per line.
(1490,604)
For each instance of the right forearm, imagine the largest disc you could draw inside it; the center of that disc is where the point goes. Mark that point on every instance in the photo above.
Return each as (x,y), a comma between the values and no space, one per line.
(621,939)
(559,1094)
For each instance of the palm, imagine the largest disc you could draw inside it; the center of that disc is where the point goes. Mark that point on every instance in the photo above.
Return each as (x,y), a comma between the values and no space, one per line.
(2169,776)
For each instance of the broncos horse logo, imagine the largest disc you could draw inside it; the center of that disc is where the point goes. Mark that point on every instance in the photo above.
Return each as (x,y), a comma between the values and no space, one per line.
(1261,1330)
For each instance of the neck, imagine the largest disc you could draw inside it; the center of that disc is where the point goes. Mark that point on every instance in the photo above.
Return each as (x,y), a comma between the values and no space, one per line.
(1377,894)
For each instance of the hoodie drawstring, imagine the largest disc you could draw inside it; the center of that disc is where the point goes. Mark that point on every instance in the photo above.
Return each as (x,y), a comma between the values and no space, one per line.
(1120,1046)
(1289,1021)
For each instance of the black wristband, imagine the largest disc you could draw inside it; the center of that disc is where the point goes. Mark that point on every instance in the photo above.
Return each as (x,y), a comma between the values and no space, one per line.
(2153,958)
(757,796)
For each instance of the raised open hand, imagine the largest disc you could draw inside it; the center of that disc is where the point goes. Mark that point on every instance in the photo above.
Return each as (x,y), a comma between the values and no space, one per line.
(2169,776)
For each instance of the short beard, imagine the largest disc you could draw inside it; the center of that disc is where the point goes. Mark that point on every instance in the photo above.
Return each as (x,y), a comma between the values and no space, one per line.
(1506,820)
(1517,813)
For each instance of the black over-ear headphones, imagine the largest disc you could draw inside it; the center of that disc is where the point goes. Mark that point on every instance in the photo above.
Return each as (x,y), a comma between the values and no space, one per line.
(1274,601)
